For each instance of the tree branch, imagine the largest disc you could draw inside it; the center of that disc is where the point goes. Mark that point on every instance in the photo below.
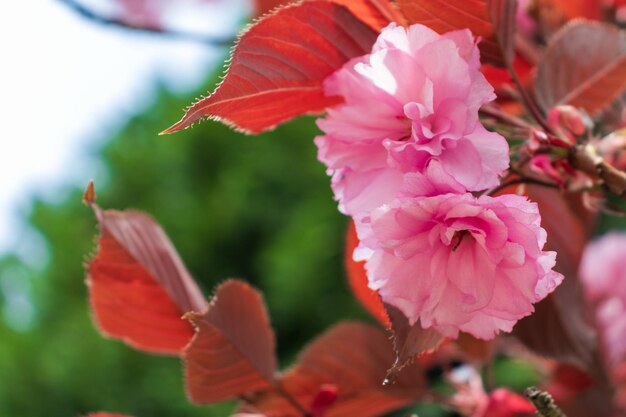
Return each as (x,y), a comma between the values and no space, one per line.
(89,14)
(586,159)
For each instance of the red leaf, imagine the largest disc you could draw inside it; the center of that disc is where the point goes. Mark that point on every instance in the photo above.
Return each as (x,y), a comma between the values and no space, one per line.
(279,64)
(558,328)
(503,15)
(354,358)
(139,287)
(232,352)
(446,15)
(375,13)
(409,340)
(357,278)
(577,71)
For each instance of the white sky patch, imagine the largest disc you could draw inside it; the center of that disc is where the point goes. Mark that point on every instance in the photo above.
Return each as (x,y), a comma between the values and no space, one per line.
(66,82)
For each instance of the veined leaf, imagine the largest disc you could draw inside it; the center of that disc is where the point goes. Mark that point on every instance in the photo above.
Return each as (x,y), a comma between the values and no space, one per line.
(354,358)
(232,352)
(409,341)
(279,64)
(139,287)
(476,15)
(583,66)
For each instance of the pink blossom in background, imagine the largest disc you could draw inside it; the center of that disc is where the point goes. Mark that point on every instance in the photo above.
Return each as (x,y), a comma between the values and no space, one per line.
(460,263)
(409,105)
(526,24)
(603,273)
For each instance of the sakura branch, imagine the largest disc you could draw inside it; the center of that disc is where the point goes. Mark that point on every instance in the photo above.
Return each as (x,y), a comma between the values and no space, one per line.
(421,152)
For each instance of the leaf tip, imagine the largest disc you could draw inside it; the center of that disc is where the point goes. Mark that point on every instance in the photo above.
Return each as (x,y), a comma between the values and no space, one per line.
(89,196)
(172,129)
(186,121)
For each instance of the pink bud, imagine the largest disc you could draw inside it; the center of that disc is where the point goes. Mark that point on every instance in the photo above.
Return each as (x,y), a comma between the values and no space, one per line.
(542,164)
(536,139)
(567,122)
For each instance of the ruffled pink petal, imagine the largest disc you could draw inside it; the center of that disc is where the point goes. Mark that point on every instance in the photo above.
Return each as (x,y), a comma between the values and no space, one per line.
(460,263)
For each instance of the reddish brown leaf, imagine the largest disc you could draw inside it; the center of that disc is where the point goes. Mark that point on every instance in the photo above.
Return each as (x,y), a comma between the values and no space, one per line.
(89,196)
(503,16)
(139,287)
(409,340)
(375,13)
(279,64)
(232,352)
(357,278)
(354,358)
(558,329)
(446,15)
(577,71)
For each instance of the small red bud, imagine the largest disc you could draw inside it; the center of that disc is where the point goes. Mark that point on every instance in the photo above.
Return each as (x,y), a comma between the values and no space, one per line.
(325,397)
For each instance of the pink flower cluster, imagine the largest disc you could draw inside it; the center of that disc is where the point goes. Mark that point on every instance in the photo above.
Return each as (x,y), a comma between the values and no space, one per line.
(405,150)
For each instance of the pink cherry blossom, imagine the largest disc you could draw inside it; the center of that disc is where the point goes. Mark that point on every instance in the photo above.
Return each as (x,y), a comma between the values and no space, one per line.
(457,262)
(411,106)
(603,273)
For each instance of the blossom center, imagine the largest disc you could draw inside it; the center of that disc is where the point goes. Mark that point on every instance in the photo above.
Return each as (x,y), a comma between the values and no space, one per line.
(457,238)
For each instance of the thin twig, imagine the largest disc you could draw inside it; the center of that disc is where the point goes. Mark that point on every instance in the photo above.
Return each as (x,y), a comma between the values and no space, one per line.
(526,99)
(89,14)
(504,117)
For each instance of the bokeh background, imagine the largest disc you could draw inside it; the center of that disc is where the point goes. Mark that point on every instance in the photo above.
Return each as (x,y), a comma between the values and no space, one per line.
(85,100)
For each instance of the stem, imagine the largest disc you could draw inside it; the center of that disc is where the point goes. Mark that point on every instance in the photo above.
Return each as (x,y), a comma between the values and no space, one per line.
(89,14)
(504,117)
(543,402)
(520,181)
(526,99)
(291,400)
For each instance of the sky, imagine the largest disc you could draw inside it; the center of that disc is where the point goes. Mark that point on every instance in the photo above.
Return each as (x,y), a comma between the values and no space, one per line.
(67,82)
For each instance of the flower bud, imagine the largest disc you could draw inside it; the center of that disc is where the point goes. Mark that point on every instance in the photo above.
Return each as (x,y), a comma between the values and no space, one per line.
(567,122)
